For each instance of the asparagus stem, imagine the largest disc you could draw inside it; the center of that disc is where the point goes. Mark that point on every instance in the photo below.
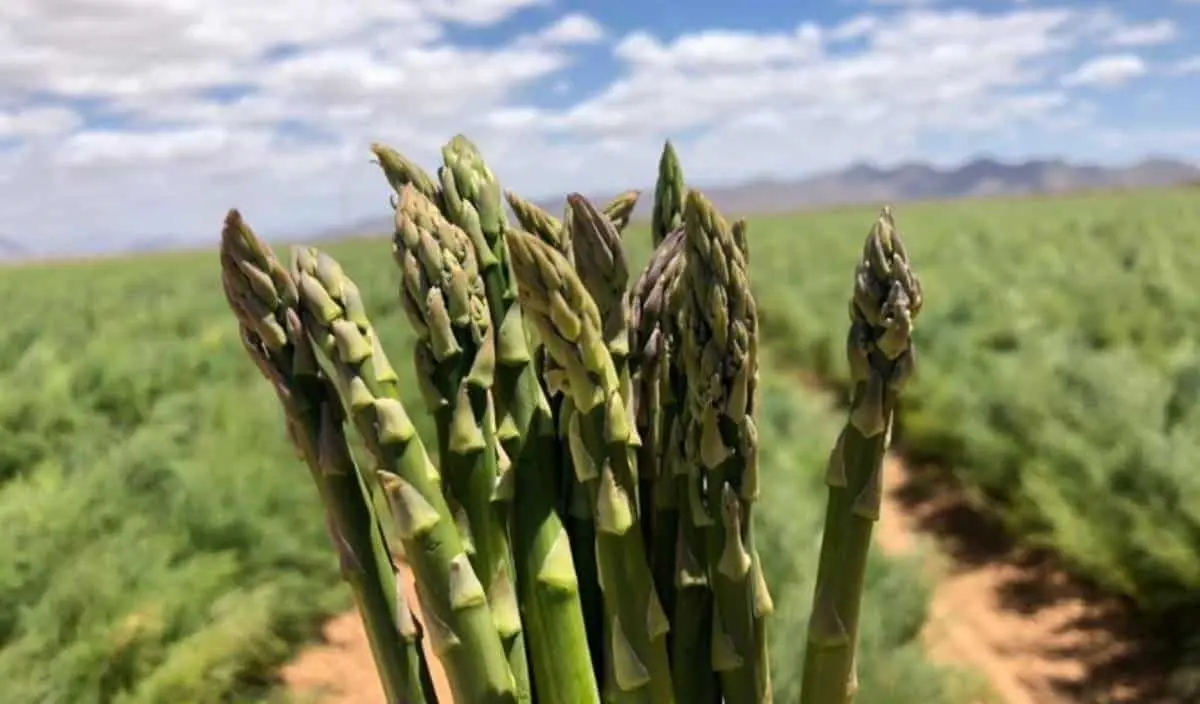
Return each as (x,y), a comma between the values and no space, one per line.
(581,528)
(525,432)
(676,542)
(719,324)
(458,617)
(444,297)
(887,298)
(651,337)
(569,324)
(573,504)
(561,654)
(602,268)
(473,200)
(264,298)
(348,494)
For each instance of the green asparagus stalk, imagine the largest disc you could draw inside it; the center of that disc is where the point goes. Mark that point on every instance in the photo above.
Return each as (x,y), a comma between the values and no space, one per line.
(668,196)
(569,325)
(545,471)
(887,298)
(561,654)
(719,323)
(620,209)
(264,298)
(557,644)
(573,502)
(466,175)
(459,619)
(602,268)
(443,295)
(676,542)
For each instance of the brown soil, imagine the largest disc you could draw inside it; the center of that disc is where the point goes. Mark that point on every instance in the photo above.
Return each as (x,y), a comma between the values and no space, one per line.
(1036,635)
(340,670)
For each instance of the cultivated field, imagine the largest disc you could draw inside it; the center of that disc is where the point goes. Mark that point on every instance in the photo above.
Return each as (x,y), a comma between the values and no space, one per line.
(160,544)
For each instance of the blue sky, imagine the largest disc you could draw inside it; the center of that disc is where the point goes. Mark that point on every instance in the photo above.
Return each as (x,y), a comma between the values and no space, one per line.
(128,120)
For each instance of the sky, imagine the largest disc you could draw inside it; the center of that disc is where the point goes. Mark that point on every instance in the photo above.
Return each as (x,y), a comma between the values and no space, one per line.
(126,121)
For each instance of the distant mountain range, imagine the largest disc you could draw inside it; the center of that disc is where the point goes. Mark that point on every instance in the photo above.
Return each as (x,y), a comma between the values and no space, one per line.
(857,184)
(868,184)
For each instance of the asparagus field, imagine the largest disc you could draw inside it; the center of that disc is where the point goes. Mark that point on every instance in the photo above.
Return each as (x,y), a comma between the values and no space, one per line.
(163,542)
(1060,369)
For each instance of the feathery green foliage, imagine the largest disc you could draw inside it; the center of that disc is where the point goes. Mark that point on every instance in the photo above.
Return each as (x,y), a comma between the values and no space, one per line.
(1056,382)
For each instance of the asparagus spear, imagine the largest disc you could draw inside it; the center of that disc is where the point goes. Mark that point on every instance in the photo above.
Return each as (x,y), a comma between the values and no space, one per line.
(401,172)
(558,648)
(887,298)
(600,263)
(603,271)
(569,324)
(538,222)
(264,299)
(444,297)
(552,601)
(668,196)
(719,323)
(472,200)
(458,617)
(676,542)
(573,502)
(466,175)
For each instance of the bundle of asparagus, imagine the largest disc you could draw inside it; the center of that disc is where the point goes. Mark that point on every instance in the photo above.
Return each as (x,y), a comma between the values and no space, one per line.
(584,530)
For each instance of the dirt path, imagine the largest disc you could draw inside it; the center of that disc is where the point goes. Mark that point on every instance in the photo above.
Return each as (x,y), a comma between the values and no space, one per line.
(1037,636)
(341,670)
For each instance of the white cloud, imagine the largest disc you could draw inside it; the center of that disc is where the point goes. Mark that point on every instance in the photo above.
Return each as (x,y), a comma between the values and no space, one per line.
(930,69)
(1107,71)
(211,102)
(575,28)
(1146,34)
(36,122)
(170,111)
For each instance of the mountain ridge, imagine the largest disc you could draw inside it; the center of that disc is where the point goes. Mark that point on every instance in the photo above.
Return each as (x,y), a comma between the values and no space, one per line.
(863,183)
